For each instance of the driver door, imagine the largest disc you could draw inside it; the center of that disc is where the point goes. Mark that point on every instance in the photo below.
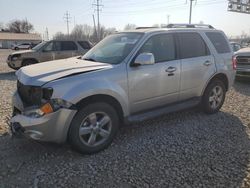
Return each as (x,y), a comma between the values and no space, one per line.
(155,85)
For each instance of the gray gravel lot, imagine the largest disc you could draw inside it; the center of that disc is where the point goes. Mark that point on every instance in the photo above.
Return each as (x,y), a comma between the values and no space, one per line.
(184,149)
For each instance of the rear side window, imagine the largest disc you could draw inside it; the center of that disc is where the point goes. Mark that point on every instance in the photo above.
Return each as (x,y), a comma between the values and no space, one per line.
(219,42)
(192,45)
(162,46)
(84,44)
(68,46)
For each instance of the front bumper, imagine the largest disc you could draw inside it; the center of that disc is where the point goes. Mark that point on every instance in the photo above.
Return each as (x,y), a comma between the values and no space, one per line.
(52,127)
(14,64)
(243,73)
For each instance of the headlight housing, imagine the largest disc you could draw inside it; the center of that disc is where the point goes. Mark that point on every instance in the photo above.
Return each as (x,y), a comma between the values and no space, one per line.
(15,57)
(49,107)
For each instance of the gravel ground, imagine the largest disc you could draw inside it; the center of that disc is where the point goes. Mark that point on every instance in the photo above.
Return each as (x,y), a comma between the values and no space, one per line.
(185,149)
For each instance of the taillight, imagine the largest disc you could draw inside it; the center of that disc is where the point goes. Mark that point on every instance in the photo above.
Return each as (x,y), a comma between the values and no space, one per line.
(234,62)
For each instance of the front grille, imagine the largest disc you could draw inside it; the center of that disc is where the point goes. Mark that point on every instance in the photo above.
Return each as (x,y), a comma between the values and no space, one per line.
(243,62)
(30,95)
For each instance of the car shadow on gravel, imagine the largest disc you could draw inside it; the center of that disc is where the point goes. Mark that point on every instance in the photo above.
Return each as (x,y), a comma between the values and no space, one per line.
(185,149)
(8,76)
(242,86)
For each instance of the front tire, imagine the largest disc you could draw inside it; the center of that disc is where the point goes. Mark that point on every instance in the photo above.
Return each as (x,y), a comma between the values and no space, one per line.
(93,128)
(213,97)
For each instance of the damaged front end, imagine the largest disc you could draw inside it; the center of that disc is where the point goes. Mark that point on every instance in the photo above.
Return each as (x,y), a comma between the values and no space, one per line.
(39,116)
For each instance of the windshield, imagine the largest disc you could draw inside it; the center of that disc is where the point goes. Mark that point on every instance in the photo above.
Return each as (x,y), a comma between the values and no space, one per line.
(39,46)
(114,48)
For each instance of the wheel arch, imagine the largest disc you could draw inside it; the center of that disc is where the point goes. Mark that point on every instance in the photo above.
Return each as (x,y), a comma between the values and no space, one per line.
(220,76)
(102,98)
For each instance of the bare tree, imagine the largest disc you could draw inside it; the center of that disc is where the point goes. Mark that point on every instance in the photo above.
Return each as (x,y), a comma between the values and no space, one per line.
(130,27)
(20,26)
(60,36)
(82,32)
(1,26)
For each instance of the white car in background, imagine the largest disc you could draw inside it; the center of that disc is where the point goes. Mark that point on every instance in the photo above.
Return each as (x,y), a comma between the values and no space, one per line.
(22,46)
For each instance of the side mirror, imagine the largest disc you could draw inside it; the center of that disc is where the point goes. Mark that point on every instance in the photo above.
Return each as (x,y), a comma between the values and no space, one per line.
(144,59)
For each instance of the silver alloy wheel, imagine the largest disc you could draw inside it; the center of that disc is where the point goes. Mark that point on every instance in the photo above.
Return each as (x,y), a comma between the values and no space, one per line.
(216,97)
(95,129)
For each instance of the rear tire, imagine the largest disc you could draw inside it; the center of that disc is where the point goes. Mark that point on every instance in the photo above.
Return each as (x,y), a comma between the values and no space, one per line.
(93,128)
(213,97)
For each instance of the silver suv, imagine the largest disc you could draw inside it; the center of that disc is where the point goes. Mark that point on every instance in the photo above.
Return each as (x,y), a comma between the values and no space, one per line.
(127,77)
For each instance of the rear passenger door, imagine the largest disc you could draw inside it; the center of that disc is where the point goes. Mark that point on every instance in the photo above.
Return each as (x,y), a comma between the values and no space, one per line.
(197,64)
(67,49)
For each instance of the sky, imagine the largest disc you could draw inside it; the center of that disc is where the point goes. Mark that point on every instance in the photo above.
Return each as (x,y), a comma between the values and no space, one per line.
(118,13)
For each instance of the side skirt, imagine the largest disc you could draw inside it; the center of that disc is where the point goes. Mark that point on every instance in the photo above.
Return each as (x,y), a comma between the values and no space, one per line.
(163,110)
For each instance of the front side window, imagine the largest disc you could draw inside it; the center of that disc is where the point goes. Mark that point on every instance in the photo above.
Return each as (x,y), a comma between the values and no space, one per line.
(161,46)
(49,47)
(114,48)
(192,45)
(219,42)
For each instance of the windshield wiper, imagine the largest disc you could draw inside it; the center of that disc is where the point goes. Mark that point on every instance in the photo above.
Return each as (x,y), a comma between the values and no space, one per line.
(89,59)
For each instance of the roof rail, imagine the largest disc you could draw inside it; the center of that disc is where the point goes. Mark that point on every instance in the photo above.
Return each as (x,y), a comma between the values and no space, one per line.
(146,27)
(189,26)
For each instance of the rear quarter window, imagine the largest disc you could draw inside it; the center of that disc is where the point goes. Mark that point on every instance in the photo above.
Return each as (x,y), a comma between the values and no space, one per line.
(219,42)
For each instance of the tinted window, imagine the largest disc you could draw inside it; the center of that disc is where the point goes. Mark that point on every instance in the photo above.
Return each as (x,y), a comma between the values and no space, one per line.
(219,42)
(84,44)
(192,45)
(162,46)
(68,46)
(57,45)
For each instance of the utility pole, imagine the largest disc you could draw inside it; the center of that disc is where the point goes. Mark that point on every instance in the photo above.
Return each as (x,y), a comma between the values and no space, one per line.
(47,34)
(98,9)
(190,11)
(168,17)
(67,20)
(94,26)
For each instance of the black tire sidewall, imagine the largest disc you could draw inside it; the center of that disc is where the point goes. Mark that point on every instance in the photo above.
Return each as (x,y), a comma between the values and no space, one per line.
(205,99)
(73,135)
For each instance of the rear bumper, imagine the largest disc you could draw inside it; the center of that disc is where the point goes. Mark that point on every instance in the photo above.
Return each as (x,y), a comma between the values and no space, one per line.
(52,127)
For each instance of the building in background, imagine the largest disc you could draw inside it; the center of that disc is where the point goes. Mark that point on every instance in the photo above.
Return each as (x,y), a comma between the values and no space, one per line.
(7,40)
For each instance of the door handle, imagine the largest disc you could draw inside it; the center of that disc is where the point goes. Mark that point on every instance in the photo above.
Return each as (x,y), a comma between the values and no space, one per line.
(207,63)
(171,69)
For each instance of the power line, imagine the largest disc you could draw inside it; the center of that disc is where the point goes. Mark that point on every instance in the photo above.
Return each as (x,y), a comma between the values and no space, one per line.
(67,20)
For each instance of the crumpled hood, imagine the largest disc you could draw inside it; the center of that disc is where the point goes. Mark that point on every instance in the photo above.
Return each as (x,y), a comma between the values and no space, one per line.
(41,73)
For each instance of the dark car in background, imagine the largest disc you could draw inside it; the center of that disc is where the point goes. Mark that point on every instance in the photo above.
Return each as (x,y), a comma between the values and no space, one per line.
(48,51)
